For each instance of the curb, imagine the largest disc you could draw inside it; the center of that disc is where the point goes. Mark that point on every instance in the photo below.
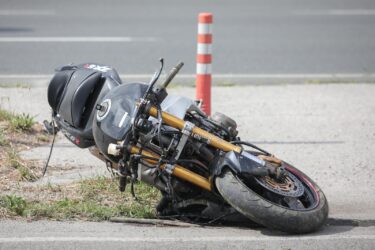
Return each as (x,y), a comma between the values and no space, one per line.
(42,80)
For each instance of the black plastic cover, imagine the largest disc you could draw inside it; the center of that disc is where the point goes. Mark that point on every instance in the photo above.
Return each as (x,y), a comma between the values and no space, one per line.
(243,163)
(56,88)
(73,93)
(114,123)
(82,85)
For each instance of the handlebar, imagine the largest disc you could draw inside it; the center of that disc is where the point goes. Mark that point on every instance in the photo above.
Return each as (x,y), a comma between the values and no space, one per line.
(171,75)
(155,94)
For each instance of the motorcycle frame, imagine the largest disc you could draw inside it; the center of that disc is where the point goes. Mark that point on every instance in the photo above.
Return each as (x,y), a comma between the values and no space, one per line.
(180,171)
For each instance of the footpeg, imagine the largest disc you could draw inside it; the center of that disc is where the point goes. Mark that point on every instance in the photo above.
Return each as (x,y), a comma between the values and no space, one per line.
(50,127)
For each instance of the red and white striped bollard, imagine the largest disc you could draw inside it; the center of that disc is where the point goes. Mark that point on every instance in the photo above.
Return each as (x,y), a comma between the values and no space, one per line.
(204,60)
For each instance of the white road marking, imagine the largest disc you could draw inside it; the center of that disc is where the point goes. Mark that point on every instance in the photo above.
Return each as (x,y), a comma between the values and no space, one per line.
(84,39)
(182,239)
(27,12)
(336,12)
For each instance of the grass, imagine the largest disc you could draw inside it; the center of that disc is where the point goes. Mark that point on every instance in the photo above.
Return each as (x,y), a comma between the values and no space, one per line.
(5,115)
(16,85)
(15,130)
(225,84)
(15,162)
(91,199)
(43,138)
(14,204)
(23,122)
(94,199)
(3,140)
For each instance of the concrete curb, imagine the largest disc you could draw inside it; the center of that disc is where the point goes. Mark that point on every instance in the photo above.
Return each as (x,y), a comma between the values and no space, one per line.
(35,80)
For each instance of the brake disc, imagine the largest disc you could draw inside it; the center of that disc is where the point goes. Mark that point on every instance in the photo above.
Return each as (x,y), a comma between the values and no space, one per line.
(289,185)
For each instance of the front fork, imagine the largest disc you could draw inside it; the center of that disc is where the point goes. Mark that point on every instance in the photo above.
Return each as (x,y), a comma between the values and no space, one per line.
(177,170)
(197,133)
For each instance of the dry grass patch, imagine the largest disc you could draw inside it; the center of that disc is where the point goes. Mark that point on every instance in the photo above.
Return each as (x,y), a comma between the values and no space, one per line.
(92,199)
(17,133)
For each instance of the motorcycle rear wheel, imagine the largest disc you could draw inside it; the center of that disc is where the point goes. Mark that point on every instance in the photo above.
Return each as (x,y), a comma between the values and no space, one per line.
(303,214)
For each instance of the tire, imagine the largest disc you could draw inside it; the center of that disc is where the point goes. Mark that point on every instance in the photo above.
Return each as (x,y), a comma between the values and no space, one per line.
(259,207)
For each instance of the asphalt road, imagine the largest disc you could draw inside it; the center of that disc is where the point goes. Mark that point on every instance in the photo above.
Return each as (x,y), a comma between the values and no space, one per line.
(250,37)
(91,235)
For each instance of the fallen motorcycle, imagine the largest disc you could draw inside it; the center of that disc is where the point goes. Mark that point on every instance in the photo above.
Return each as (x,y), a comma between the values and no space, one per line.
(200,165)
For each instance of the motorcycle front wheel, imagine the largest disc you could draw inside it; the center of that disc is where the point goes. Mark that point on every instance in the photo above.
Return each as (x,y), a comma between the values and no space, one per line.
(294,205)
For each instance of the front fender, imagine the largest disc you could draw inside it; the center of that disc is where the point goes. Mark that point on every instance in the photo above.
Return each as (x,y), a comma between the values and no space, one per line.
(242,163)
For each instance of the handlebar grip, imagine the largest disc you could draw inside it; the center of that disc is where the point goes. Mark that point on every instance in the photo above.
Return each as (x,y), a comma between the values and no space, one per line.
(171,75)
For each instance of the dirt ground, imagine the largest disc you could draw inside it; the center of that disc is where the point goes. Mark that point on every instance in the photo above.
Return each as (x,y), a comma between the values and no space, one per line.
(15,171)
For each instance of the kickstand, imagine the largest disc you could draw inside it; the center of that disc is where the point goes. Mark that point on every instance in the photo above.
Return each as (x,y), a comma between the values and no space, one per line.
(51,129)
(132,190)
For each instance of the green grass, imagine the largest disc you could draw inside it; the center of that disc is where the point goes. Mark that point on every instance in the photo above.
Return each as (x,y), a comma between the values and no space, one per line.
(14,204)
(5,115)
(23,122)
(94,199)
(225,84)
(16,85)
(15,162)
(18,123)
(3,139)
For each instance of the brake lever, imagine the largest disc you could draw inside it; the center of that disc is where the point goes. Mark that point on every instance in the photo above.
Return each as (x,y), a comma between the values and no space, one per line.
(143,101)
(154,79)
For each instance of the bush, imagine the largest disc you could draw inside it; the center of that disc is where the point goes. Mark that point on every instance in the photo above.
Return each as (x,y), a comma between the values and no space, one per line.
(5,115)
(22,122)
(14,204)
(3,140)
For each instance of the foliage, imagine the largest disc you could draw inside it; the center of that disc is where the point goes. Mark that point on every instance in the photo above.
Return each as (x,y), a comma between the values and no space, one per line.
(14,204)
(22,122)
(15,162)
(93,199)
(3,139)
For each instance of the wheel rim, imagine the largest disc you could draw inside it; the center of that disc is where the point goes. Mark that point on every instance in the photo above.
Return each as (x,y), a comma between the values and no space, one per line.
(303,198)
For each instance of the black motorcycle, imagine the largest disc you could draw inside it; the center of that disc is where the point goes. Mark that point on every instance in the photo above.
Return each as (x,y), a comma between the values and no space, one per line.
(203,169)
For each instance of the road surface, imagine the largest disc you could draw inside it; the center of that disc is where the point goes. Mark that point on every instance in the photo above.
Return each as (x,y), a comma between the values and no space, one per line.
(250,37)
(105,235)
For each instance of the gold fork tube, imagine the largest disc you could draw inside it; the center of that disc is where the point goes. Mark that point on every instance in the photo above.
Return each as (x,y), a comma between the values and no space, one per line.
(178,170)
(214,141)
